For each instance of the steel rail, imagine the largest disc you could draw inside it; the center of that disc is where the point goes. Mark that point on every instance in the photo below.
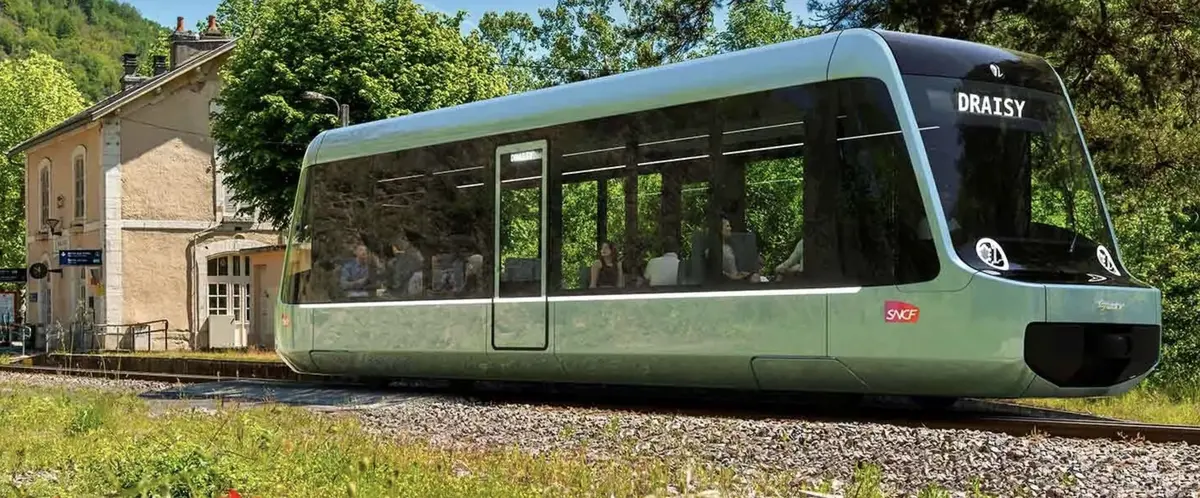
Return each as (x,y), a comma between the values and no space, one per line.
(973,414)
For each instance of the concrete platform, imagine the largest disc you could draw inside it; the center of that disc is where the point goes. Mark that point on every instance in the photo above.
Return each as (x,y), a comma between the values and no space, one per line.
(233,369)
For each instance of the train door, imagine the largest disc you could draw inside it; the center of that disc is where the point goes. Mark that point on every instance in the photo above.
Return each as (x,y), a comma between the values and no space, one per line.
(519,309)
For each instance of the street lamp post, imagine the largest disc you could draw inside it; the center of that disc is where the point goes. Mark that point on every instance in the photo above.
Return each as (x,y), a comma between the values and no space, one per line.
(343,109)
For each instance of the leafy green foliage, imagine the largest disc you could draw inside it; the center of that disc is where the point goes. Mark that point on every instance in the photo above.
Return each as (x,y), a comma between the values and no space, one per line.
(88,36)
(384,58)
(237,17)
(35,93)
(577,40)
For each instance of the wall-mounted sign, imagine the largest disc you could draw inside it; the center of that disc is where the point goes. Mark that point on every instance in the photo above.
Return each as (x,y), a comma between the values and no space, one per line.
(995,106)
(80,257)
(13,275)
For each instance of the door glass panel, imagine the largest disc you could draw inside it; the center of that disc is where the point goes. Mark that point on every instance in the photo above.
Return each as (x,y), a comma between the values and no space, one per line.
(520,228)
(237,300)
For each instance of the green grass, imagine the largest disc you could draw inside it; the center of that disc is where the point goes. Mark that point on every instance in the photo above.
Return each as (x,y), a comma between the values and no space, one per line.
(91,443)
(1180,406)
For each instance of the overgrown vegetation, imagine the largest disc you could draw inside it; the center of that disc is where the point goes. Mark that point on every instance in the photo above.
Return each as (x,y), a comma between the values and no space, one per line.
(84,443)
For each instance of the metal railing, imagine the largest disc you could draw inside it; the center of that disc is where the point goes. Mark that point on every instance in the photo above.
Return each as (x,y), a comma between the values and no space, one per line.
(82,334)
(17,332)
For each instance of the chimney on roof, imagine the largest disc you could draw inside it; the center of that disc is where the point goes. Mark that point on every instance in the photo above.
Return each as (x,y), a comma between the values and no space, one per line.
(129,62)
(186,44)
(130,78)
(212,31)
(160,64)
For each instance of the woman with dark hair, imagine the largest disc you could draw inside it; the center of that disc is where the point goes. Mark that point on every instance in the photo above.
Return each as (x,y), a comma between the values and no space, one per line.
(606,272)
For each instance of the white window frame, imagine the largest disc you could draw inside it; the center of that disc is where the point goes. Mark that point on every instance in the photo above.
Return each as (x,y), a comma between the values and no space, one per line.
(79,171)
(44,192)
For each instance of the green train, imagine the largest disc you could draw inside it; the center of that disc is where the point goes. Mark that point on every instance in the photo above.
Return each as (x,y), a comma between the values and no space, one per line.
(860,212)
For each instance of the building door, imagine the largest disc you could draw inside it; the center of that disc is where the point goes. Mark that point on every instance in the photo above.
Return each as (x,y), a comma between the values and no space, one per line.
(519,313)
(264,303)
(229,291)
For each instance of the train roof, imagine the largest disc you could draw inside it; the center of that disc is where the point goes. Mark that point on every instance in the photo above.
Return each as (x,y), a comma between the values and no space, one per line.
(796,62)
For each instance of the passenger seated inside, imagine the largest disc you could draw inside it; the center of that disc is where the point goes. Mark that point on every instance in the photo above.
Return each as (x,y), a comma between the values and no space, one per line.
(474,272)
(359,275)
(664,270)
(404,268)
(793,266)
(606,271)
(729,264)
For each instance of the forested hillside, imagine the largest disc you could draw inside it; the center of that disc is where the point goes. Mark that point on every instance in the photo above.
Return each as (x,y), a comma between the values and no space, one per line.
(88,36)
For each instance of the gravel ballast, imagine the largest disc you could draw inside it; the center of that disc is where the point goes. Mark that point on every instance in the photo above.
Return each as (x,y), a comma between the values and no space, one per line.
(910,458)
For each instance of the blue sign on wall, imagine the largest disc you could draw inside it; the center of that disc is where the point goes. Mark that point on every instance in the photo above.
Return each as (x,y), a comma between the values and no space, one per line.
(80,257)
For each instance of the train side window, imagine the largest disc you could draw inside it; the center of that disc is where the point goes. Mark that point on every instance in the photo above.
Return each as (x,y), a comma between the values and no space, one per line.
(338,192)
(762,169)
(433,222)
(298,264)
(588,159)
(409,225)
(878,201)
(635,185)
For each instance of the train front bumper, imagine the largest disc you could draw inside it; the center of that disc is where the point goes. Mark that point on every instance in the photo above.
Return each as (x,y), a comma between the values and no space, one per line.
(1095,341)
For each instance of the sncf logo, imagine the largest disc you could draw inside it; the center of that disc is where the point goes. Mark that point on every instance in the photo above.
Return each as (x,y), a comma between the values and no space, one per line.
(900,312)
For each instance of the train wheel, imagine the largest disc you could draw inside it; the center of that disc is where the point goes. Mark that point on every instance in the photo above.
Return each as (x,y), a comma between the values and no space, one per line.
(935,402)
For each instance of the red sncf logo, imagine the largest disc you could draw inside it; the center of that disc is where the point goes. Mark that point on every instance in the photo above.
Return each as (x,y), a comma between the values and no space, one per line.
(900,312)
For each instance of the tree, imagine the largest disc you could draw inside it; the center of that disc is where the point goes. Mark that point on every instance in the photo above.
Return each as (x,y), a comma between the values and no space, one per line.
(578,40)
(36,92)
(235,17)
(384,58)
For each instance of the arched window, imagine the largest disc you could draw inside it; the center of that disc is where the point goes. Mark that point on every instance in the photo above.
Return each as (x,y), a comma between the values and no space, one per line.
(78,160)
(44,192)
(226,207)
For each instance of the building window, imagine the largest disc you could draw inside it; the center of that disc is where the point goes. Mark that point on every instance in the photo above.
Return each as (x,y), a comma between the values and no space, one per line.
(80,185)
(81,289)
(44,188)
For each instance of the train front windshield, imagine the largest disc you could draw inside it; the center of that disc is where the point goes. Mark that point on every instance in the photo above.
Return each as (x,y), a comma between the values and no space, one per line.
(1014,182)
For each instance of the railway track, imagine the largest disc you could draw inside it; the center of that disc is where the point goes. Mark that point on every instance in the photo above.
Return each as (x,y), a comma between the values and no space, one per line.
(968,414)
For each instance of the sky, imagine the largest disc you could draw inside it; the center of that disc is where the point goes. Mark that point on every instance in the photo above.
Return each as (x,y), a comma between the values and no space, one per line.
(165,11)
